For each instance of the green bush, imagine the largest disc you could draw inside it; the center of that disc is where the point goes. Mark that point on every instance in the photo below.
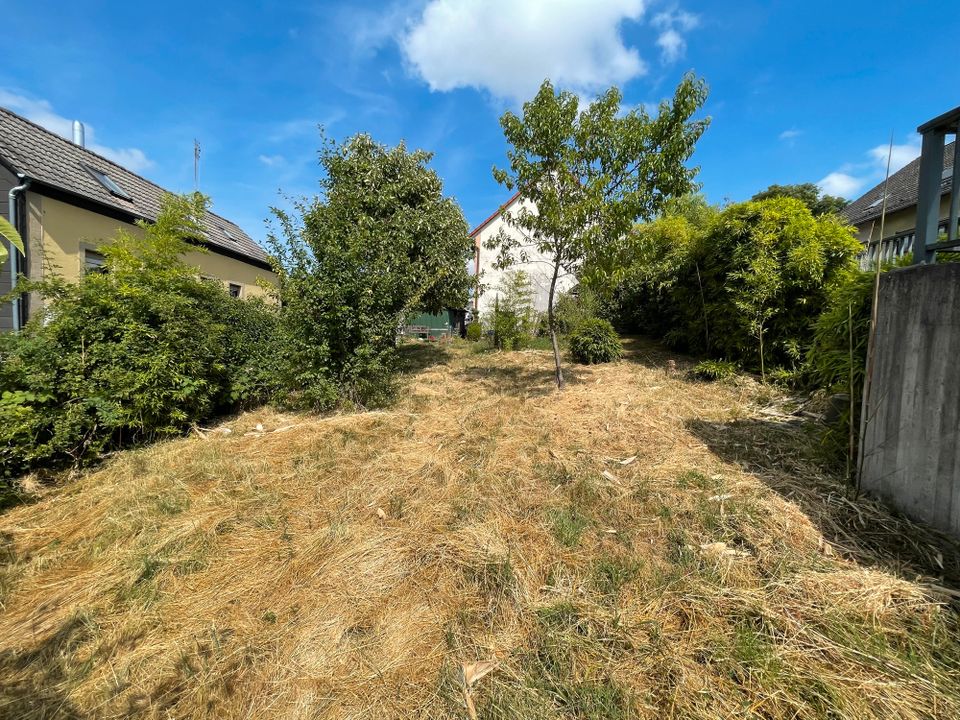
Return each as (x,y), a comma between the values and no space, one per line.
(712,370)
(595,341)
(474,331)
(512,319)
(135,353)
(572,310)
(745,284)
(380,243)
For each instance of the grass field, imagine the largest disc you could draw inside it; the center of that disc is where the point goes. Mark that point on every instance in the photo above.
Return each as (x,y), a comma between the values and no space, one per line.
(639,545)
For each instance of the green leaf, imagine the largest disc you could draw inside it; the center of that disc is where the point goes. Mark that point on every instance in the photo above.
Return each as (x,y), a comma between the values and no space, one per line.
(9,232)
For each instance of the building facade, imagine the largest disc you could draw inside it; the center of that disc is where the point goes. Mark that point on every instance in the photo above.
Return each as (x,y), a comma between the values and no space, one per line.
(900,223)
(538,266)
(66,201)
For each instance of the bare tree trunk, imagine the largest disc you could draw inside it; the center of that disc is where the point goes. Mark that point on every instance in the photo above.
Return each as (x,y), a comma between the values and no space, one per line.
(551,321)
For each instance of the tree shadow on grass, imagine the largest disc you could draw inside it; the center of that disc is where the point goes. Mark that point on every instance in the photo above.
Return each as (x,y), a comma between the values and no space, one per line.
(786,457)
(519,380)
(34,682)
(653,354)
(415,357)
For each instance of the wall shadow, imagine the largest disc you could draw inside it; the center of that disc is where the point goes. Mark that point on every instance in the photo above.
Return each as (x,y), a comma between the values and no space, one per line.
(784,455)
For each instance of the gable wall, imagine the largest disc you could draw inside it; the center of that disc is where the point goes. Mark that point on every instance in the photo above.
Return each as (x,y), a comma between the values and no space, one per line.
(538,267)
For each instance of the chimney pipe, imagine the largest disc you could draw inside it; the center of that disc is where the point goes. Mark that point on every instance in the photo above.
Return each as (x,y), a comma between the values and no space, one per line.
(78,134)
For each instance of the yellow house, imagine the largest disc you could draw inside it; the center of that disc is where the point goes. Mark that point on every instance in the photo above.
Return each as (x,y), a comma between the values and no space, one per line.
(66,200)
(900,223)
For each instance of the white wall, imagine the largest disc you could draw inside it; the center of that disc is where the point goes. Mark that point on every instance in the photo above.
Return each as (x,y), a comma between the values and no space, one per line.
(538,268)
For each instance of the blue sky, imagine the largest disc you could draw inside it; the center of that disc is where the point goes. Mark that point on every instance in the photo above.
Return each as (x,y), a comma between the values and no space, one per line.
(799,91)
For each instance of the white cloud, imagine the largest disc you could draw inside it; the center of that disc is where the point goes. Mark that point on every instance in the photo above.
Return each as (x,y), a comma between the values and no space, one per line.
(272,160)
(671,24)
(842,184)
(672,45)
(791,134)
(508,48)
(42,113)
(900,155)
(850,178)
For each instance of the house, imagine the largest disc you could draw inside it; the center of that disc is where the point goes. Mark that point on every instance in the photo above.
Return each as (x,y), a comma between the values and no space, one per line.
(903,195)
(538,266)
(66,200)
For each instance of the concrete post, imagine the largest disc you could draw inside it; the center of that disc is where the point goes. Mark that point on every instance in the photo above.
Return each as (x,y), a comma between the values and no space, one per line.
(955,190)
(928,196)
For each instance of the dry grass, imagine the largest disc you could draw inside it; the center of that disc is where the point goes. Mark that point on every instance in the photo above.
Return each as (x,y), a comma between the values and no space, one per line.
(347,566)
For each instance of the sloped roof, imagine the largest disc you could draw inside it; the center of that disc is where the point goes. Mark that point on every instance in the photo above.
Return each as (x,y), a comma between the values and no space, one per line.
(51,160)
(901,191)
(481,226)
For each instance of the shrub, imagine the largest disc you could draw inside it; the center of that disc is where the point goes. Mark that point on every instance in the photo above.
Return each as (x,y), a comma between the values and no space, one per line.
(595,341)
(474,331)
(379,243)
(137,352)
(745,284)
(512,319)
(714,370)
(572,310)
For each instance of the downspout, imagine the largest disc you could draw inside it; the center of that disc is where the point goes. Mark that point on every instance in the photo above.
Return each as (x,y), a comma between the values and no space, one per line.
(14,253)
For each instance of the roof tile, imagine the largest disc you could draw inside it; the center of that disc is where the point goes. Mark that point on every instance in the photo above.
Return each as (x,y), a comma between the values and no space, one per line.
(52,160)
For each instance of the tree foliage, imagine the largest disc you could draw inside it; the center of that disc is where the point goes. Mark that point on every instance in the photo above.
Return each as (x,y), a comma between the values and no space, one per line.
(136,352)
(380,242)
(588,176)
(746,285)
(818,202)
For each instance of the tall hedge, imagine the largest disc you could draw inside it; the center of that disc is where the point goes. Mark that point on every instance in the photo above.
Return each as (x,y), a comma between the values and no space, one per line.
(746,284)
(136,352)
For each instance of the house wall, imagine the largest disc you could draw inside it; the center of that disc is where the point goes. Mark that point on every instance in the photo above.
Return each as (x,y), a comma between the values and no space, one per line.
(59,233)
(897,222)
(538,268)
(7,181)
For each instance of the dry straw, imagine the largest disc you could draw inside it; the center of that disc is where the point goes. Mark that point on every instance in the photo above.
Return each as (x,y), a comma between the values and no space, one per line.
(639,545)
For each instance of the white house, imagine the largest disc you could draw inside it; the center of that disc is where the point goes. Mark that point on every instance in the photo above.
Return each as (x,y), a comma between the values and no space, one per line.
(538,265)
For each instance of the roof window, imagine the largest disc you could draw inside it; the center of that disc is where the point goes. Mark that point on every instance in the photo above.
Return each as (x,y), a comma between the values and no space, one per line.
(108,183)
(229,235)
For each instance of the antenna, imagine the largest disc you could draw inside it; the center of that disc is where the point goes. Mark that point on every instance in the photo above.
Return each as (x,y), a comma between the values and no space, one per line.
(196,164)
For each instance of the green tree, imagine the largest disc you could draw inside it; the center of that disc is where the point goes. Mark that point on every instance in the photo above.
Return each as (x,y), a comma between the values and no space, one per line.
(766,269)
(809,194)
(588,176)
(379,243)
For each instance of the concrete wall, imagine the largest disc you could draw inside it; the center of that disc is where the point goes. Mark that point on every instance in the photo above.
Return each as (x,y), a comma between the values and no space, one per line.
(911,442)
(538,268)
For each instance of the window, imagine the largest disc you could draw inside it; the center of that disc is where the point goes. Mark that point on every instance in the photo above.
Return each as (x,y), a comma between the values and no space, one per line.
(94,262)
(234,290)
(229,235)
(108,183)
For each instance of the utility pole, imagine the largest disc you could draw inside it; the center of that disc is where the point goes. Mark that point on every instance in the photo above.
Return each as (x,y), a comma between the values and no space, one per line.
(196,165)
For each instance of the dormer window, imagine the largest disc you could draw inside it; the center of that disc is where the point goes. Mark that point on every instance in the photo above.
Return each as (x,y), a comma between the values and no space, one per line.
(108,183)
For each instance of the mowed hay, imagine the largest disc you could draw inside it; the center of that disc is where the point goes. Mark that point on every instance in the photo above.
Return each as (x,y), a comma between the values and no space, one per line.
(638,545)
